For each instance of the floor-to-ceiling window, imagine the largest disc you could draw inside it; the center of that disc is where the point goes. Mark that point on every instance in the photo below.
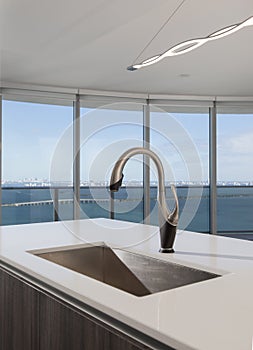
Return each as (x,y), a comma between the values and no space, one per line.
(179,135)
(38,160)
(235,171)
(30,134)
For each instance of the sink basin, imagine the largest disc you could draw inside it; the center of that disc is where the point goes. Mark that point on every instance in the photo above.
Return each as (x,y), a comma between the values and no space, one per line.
(133,273)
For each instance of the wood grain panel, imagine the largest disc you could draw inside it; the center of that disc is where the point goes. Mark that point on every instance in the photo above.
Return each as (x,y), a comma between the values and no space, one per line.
(18,314)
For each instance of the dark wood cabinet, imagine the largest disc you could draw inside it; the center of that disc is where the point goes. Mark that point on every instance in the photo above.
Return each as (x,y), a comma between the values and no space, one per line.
(18,314)
(63,327)
(31,319)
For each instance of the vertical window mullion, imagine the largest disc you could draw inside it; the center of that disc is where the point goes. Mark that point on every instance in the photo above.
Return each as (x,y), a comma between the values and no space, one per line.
(213,169)
(76,158)
(146,164)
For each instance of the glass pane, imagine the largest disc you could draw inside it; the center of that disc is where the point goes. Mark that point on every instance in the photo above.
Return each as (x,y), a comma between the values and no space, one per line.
(235,172)
(181,140)
(32,132)
(107,132)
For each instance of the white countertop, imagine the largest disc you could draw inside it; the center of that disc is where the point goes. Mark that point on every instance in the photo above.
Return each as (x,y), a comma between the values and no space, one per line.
(214,314)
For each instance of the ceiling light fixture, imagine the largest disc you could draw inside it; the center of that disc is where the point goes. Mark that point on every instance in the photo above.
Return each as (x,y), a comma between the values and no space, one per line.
(189,45)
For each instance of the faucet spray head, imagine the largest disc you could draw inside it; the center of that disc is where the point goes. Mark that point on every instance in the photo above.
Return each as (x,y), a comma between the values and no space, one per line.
(114,187)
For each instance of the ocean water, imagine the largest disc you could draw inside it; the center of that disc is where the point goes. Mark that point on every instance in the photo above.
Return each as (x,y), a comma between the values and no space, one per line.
(234,206)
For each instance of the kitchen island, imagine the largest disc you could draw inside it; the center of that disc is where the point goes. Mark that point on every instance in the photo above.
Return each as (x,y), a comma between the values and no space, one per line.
(212,314)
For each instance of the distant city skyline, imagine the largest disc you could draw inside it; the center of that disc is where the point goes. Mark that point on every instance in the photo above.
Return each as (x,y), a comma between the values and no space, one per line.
(44,182)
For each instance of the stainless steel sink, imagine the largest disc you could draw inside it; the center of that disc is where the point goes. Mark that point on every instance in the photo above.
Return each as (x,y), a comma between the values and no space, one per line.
(134,273)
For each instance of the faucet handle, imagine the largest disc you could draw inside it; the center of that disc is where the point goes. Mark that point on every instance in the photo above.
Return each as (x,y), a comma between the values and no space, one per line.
(174,216)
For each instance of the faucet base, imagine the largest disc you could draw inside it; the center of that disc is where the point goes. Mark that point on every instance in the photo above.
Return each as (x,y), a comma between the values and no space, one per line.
(166,250)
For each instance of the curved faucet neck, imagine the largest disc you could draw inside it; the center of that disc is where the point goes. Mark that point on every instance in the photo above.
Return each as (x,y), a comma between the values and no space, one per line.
(117,176)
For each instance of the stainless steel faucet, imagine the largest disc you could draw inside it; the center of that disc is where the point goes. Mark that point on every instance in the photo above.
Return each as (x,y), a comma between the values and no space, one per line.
(167,220)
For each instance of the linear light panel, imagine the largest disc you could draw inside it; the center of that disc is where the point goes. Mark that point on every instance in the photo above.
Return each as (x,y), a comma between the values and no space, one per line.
(192,44)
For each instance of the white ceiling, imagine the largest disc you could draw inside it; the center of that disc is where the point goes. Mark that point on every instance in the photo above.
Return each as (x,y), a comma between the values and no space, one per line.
(89,44)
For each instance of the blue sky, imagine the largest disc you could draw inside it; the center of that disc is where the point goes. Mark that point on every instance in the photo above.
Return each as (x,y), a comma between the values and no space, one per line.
(235,151)
(32,131)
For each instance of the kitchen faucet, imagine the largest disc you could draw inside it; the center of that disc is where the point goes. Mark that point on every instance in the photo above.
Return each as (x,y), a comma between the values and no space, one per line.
(167,220)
